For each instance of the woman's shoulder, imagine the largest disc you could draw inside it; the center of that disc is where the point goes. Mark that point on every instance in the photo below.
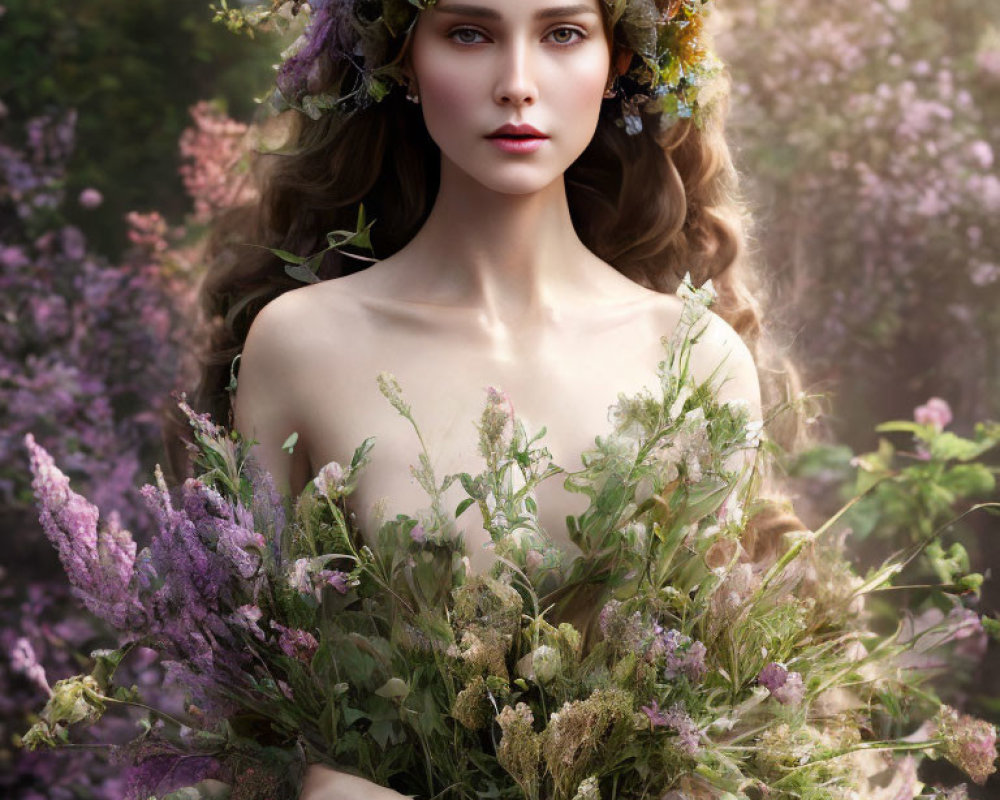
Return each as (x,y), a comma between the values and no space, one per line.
(305,316)
(718,350)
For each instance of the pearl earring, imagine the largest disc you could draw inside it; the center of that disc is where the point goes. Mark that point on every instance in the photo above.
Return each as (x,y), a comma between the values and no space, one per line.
(413,96)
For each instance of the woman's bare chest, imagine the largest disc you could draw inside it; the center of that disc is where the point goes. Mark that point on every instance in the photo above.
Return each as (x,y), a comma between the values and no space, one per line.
(564,382)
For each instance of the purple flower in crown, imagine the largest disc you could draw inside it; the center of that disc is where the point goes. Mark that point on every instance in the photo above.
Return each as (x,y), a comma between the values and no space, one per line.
(330,36)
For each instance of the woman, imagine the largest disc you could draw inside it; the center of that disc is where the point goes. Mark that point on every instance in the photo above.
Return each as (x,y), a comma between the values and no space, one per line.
(526,242)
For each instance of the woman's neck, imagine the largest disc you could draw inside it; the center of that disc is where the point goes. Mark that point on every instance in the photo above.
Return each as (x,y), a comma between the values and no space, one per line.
(514,259)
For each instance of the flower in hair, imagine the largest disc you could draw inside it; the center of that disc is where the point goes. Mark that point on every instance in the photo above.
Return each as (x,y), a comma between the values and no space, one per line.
(348,52)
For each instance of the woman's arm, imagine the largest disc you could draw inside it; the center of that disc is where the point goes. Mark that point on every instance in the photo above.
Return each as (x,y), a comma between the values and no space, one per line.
(323,783)
(266,409)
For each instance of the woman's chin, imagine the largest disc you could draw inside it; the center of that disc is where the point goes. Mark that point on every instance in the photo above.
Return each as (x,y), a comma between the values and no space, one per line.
(517,180)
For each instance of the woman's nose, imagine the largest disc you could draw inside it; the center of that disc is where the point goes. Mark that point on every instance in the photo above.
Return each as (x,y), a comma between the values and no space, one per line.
(516,84)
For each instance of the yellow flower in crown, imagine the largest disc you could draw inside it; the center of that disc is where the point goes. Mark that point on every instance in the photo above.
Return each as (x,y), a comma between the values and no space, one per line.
(348,54)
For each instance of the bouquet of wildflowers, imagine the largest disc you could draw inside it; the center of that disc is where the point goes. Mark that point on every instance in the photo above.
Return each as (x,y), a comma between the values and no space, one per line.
(699,673)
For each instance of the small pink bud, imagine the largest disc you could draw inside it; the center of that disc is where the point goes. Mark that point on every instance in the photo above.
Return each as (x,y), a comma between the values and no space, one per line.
(90,198)
(935,412)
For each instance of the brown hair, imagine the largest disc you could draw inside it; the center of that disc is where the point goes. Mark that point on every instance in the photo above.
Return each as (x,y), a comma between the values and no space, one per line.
(654,205)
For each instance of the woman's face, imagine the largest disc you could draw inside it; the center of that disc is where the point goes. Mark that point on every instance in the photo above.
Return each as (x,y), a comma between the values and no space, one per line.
(482,64)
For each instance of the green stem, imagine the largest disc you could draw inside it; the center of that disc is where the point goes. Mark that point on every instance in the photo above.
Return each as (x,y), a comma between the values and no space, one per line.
(873,747)
(150,709)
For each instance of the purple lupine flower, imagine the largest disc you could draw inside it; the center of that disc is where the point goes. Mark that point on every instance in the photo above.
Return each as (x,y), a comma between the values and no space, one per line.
(196,589)
(785,687)
(100,566)
(197,575)
(418,534)
(329,36)
(202,423)
(267,509)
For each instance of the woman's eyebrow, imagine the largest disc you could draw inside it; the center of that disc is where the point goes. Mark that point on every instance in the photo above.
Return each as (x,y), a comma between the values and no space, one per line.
(489,13)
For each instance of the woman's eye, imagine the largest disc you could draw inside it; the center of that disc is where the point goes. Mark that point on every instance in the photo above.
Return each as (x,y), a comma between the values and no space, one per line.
(465,35)
(566,35)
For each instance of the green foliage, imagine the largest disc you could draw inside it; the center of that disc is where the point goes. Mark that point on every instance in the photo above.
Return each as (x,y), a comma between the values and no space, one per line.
(912,494)
(131,70)
(401,666)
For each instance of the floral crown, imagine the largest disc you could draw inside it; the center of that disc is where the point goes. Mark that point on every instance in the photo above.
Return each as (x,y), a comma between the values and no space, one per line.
(348,54)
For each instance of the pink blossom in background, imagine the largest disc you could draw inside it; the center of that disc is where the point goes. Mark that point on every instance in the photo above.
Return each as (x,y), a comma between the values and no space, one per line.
(935,412)
(982,152)
(13,257)
(869,137)
(147,230)
(90,198)
(212,151)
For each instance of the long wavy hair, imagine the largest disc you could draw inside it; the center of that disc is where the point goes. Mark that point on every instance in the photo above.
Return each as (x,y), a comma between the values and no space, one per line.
(655,205)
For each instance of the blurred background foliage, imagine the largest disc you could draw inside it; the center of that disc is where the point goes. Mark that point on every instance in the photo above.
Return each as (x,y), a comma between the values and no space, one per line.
(865,137)
(131,70)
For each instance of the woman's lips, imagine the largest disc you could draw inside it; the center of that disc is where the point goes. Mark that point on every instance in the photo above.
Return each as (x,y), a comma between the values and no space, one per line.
(518,144)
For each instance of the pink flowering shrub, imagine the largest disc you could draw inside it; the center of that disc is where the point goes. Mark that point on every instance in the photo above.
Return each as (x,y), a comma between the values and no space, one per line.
(867,141)
(215,167)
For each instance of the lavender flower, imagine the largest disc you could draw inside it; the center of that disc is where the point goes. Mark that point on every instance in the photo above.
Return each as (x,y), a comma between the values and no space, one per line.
(683,656)
(785,687)
(677,718)
(24,661)
(165,772)
(100,565)
(332,577)
(296,643)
